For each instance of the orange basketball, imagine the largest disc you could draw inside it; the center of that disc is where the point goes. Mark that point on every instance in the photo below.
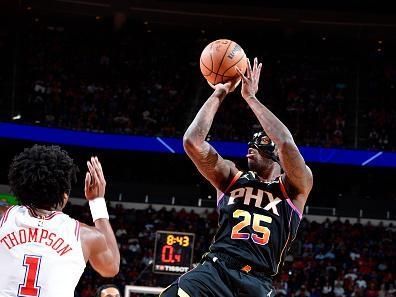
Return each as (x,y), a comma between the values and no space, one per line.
(219,59)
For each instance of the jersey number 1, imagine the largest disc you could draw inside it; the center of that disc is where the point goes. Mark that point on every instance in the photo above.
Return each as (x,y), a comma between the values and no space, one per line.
(261,235)
(29,286)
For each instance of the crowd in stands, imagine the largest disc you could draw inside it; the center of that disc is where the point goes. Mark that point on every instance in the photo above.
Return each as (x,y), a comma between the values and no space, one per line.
(379,114)
(340,259)
(76,82)
(146,81)
(326,259)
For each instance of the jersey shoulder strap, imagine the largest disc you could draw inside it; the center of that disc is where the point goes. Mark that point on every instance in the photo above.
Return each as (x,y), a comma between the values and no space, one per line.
(6,215)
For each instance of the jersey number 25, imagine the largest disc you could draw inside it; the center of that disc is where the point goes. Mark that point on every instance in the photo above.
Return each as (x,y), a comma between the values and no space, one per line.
(262,233)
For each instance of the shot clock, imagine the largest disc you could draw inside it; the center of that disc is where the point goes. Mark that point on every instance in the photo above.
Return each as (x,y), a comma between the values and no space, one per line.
(173,252)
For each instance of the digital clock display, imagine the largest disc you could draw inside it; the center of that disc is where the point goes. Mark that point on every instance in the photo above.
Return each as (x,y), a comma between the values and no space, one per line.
(173,252)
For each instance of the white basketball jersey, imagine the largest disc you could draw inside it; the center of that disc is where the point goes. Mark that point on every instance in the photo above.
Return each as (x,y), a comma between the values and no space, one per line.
(39,257)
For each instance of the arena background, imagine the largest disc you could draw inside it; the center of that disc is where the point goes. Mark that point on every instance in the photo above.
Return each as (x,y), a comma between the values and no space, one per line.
(131,68)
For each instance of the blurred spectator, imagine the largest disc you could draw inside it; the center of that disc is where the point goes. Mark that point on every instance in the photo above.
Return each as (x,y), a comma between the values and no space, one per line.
(108,291)
(303,292)
(327,289)
(3,207)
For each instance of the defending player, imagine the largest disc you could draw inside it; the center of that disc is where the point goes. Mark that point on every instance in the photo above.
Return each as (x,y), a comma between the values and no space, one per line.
(43,252)
(259,210)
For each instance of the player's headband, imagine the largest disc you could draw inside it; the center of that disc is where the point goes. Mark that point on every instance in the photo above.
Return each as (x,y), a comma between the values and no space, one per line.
(265,145)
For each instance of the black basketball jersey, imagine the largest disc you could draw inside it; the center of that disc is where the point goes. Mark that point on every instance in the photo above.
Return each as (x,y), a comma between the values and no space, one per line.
(257,222)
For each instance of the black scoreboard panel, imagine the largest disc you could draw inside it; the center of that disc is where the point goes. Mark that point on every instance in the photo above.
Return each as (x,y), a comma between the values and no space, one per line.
(173,252)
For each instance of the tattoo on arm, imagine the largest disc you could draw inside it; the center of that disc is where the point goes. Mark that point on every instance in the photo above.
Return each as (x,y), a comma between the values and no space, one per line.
(297,173)
(207,160)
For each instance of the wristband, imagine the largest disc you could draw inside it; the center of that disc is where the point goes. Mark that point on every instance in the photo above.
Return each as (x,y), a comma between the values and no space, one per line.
(98,209)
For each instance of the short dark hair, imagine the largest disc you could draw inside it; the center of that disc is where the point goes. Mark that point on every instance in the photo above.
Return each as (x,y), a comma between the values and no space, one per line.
(101,288)
(41,175)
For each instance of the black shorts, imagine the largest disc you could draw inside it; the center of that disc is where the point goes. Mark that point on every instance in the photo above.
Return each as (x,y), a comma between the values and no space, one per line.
(212,278)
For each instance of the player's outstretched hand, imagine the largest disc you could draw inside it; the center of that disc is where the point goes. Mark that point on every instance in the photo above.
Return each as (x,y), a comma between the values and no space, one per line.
(95,183)
(228,87)
(251,80)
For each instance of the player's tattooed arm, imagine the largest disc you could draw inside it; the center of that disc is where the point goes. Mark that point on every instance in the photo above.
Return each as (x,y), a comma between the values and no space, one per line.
(298,176)
(208,161)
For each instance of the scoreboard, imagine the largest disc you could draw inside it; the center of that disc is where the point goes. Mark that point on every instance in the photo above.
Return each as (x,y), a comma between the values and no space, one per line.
(173,252)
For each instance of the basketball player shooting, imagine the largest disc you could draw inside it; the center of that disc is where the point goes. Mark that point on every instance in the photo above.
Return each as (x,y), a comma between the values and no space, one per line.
(43,251)
(259,210)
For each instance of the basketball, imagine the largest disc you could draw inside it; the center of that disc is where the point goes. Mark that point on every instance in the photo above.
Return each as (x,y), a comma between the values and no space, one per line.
(219,59)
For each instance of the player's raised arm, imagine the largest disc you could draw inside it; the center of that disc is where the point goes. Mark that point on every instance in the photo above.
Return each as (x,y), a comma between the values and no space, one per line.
(210,164)
(298,176)
(99,243)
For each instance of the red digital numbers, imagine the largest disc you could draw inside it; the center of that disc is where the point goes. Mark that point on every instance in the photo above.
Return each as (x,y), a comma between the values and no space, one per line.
(168,254)
(29,286)
(177,258)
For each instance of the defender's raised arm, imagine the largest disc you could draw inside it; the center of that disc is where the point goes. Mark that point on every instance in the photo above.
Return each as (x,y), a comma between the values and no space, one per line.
(99,243)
